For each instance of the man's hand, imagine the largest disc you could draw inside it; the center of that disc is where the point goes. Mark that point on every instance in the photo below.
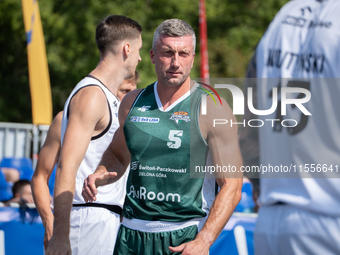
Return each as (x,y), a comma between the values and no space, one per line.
(195,247)
(92,182)
(59,246)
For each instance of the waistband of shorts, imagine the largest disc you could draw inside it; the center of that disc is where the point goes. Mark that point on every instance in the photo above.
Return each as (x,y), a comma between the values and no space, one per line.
(161,226)
(113,208)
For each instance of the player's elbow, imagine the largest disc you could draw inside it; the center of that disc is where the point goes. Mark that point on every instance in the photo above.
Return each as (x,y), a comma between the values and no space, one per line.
(238,196)
(34,180)
(235,189)
(238,191)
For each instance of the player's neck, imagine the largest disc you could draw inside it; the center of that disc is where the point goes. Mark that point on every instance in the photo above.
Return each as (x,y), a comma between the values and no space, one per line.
(110,74)
(168,95)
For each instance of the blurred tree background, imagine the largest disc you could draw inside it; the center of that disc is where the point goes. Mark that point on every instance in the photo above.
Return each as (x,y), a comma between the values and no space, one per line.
(234,29)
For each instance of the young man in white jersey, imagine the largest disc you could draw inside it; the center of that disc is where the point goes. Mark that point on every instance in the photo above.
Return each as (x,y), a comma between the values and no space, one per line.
(300,209)
(165,232)
(88,125)
(48,158)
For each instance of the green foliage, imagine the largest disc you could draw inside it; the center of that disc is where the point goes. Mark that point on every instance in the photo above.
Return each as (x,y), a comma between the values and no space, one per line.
(13,64)
(234,29)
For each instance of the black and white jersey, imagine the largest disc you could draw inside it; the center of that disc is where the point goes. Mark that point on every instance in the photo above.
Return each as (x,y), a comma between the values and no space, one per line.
(301,49)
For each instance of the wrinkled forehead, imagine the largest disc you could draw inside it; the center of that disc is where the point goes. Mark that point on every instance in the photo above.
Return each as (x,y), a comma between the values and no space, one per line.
(176,42)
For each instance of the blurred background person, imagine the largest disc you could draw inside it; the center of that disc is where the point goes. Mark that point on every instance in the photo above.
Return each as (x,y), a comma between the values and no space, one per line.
(299,214)
(11,174)
(22,193)
(128,85)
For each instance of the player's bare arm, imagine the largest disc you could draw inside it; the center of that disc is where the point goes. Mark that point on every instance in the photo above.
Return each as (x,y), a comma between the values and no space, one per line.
(224,148)
(88,116)
(115,159)
(47,160)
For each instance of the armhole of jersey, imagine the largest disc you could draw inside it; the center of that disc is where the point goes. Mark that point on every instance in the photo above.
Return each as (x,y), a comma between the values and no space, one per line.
(198,122)
(68,107)
(91,76)
(110,122)
(108,126)
(134,103)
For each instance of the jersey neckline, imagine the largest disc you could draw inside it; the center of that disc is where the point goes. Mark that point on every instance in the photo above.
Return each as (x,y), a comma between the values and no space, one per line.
(91,76)
(182,98)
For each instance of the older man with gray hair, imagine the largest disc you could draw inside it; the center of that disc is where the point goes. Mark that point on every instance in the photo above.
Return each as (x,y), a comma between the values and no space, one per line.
(164,136)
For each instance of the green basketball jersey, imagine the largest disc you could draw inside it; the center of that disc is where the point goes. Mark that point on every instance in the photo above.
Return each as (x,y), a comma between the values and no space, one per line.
(159,186)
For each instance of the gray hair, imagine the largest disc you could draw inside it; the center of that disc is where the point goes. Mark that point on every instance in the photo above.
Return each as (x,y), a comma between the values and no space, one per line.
(173,27)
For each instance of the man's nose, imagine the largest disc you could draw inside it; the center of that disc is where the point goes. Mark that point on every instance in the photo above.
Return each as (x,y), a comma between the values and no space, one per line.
(175,60)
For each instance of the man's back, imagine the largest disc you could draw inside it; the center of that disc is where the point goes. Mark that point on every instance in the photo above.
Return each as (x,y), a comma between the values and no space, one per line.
(301,42)
(299,56)
(300,49)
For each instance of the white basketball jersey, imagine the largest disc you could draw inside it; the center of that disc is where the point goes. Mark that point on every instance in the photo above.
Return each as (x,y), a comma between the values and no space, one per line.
(303,41)
(112,194)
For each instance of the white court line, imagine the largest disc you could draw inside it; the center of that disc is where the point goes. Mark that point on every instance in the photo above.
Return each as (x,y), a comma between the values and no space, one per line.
(2,242)
(241,240)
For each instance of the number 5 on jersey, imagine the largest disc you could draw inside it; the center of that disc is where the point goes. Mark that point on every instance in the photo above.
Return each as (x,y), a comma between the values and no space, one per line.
(174,137)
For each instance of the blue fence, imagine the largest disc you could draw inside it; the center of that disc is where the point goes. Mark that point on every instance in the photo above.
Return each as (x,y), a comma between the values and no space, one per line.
(24,232)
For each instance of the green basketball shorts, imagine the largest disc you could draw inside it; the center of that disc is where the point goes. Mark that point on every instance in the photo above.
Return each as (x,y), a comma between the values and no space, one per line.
(133,242)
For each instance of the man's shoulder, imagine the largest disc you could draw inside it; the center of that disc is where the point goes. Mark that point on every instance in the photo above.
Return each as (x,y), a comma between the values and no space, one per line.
(88,85)
(287,7)
(129,98)
(88,101)
(88,80)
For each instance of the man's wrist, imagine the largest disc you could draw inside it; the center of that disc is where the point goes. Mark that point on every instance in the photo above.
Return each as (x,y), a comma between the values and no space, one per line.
(48,222)
(61,229)
(61,233)
(100,170)
(205,237)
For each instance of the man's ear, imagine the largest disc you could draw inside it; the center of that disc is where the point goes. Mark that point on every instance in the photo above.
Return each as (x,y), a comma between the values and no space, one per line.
(126,49)
(152,56)
(193,59)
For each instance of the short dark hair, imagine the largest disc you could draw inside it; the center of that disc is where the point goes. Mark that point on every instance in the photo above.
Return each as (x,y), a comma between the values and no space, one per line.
(113,29)
(18,186)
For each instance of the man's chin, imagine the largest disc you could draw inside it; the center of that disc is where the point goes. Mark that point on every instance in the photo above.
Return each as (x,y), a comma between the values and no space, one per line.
(174,82)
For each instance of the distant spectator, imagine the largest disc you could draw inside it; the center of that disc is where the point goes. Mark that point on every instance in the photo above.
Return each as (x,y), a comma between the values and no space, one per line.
(22,193)
(11,174)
